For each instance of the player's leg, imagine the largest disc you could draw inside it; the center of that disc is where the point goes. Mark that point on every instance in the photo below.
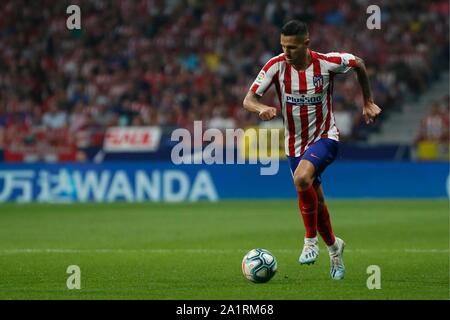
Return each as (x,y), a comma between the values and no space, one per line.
(307,201)
(323,217)
(307,180)
(334,244)
(303,179)
(311,248)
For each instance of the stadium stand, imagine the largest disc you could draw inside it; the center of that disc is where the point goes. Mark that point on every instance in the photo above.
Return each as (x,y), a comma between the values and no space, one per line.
(167,63)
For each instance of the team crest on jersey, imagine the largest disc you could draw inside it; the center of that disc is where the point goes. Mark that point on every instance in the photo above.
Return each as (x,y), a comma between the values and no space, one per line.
(318,81)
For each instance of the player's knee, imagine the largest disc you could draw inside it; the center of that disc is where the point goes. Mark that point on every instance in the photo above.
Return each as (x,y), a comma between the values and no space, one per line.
(302,181)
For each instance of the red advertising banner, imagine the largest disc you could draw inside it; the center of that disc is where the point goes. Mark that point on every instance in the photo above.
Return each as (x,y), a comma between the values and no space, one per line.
(38,144)
(132,139)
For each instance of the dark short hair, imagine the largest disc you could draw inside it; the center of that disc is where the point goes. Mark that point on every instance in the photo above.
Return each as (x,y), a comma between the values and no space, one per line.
(295,28)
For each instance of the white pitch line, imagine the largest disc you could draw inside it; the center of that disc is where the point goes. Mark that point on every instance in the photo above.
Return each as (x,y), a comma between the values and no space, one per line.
(199,251)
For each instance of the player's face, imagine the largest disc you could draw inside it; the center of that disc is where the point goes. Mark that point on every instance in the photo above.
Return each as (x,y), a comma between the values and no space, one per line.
(294,49)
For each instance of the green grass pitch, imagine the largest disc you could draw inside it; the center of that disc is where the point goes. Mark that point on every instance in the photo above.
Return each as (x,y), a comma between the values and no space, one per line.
(194,250)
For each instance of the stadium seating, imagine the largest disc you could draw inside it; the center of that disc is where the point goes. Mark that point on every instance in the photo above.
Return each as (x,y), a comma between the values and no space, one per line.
(166,64)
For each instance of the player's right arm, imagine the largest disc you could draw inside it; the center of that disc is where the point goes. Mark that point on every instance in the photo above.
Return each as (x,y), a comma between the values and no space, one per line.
(262,83)
(252,104)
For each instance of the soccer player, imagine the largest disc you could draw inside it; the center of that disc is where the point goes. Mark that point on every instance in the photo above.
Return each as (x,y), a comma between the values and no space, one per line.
(304,82)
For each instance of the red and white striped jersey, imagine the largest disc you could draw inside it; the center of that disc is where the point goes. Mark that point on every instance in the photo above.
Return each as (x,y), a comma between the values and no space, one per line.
(305,97)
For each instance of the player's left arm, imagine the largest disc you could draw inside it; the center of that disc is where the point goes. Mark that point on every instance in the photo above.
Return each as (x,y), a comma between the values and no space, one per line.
(370,109)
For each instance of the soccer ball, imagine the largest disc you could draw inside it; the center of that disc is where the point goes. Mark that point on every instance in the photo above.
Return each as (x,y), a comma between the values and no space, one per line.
(259,265)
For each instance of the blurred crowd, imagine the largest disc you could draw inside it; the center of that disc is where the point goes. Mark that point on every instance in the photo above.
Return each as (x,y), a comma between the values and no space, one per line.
(434,126)
(167,63)
(432,141)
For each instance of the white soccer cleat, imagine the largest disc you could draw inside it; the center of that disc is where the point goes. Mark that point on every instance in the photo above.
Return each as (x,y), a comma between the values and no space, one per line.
(310,251)
(337,271)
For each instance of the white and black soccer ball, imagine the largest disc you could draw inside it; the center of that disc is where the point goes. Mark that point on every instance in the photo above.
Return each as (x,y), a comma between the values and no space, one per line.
(259,265)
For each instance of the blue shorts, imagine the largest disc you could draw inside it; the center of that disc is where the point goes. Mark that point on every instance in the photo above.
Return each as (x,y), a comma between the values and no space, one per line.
(321,154)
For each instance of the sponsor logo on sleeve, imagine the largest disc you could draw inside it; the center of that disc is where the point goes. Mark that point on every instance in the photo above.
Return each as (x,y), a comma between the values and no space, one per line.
(261,76)
(345,60)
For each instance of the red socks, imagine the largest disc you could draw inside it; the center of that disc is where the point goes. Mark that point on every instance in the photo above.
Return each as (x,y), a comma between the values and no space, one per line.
(307,202)
(324,226)
(315,218)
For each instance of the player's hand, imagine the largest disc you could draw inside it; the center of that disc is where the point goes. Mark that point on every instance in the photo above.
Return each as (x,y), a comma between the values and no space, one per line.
(268,113)
(370,112)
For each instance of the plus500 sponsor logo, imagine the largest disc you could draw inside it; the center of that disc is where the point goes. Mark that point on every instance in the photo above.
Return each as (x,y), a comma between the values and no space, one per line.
(304,99)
